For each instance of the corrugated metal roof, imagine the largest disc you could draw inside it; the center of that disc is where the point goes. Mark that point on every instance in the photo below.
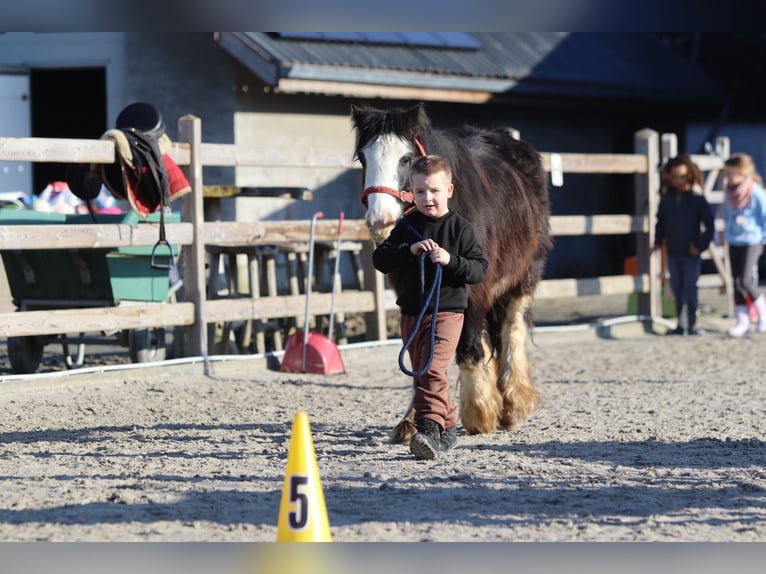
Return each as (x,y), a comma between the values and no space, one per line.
(596,65)
(437,39)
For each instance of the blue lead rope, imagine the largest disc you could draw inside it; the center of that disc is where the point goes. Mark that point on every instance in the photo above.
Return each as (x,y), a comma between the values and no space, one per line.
(433,293)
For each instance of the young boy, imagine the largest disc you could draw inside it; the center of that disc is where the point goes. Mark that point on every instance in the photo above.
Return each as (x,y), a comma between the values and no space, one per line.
(448,240)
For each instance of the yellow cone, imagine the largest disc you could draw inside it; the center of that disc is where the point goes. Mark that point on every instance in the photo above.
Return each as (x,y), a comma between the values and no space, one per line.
(302,511)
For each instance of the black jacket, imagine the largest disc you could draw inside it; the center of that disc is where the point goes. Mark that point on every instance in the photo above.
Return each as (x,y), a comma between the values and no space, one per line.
(679,216)
(451,232)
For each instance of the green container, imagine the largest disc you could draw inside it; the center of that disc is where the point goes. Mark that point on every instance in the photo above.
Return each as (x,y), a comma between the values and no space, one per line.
(668,306)
(51,278)
(134,279)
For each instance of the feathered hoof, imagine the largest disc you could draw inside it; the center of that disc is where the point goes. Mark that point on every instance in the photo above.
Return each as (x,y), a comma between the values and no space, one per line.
(510,423)
(518,407)
(478,427)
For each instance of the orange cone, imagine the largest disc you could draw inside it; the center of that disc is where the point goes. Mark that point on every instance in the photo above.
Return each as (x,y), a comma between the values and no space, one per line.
(302,511)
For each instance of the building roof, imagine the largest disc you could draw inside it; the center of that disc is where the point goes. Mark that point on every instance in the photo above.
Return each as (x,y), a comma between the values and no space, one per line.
(473,67)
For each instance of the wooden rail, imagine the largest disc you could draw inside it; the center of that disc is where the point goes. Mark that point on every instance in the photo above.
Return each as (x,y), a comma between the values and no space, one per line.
(100,236)
(196,312)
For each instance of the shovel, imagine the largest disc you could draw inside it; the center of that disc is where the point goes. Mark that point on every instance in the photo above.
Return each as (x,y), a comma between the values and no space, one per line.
(334,277)
(311,352)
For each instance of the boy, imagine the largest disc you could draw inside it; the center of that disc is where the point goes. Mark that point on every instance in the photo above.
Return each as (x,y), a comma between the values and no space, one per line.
(448,240)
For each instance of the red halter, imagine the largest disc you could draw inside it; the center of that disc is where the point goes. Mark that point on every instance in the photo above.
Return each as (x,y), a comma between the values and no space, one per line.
(403,196)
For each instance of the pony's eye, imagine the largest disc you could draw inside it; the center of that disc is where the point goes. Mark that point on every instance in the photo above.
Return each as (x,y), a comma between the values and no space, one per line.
(406,160)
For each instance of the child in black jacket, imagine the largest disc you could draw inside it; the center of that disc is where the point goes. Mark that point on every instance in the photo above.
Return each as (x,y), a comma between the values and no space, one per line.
(449,241)
(682,210)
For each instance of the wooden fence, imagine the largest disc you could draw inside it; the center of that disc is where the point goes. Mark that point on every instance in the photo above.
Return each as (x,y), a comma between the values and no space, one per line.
(197,311)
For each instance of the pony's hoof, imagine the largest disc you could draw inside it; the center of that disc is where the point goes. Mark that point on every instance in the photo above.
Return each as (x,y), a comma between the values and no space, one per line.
(471,428)
(511,423)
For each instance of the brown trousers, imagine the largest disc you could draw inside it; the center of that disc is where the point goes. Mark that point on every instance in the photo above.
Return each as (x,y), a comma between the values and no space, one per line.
(432,391)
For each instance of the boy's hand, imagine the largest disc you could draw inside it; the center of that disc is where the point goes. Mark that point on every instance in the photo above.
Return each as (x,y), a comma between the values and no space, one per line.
(439,256)
(436,254)
(421,246)
(693,251)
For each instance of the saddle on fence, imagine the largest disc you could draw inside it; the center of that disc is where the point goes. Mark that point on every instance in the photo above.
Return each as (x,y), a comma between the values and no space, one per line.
(143,171)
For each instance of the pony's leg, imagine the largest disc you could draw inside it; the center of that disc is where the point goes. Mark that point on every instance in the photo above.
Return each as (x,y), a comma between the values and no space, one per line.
(480,402)
(519,396)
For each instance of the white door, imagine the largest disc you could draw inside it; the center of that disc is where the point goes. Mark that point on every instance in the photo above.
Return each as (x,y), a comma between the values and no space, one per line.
(15,121)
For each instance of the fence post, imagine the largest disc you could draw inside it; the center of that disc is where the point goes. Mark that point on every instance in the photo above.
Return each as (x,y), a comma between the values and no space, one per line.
(669,144)
(723,149)
(190,131)
(646,196)
(375,321)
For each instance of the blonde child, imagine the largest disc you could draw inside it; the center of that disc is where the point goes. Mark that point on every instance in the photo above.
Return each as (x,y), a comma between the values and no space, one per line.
(744,213)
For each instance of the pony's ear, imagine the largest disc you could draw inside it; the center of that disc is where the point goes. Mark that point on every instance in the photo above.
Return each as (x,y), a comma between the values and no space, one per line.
(359,112)
(416,115)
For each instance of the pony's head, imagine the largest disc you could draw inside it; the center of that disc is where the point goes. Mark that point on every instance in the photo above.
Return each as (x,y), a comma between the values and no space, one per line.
(387,141)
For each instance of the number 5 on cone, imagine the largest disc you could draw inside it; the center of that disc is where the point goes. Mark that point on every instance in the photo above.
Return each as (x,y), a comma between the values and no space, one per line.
(302,511)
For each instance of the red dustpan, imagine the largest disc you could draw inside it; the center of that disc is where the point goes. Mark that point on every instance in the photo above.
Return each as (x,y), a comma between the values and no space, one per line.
(312,352)
(319,356)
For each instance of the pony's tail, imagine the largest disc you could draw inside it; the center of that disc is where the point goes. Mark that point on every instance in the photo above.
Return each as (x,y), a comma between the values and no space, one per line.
(405,428)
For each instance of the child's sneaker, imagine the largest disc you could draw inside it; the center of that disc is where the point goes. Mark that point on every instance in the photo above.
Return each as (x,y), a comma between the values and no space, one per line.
(448,439)
(425,445)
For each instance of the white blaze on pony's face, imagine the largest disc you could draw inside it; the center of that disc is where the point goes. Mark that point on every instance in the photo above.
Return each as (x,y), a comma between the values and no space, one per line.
(386,160)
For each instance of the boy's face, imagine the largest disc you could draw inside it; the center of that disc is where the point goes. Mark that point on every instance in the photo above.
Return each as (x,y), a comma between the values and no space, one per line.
(432,193)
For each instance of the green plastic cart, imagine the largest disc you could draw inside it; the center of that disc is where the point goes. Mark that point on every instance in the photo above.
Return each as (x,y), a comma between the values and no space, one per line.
(79,278)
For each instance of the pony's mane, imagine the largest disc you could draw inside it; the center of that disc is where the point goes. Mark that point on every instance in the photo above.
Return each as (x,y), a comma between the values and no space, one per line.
(370,122)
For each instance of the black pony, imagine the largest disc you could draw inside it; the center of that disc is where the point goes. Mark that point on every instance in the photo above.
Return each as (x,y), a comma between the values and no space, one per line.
(501,186)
